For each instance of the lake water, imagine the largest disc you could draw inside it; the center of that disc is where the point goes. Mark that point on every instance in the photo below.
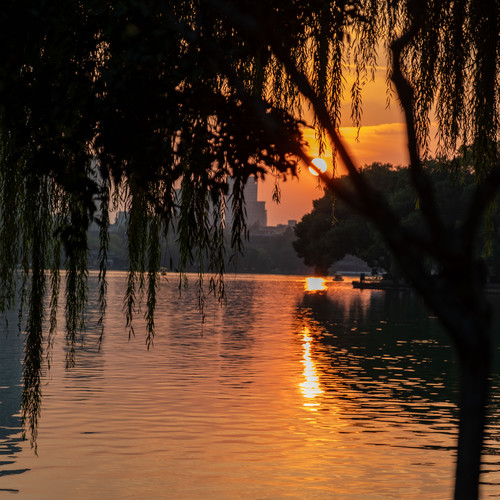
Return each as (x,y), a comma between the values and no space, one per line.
(281,394)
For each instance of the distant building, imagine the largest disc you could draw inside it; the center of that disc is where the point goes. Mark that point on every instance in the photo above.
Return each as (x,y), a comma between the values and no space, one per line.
(274,230)
(256,210)
(256,213)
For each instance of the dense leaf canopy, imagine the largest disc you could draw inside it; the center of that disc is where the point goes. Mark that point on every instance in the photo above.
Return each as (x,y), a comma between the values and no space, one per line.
(327,233)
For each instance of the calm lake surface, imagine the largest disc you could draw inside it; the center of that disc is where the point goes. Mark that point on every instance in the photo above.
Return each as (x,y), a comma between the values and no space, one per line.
(279,394)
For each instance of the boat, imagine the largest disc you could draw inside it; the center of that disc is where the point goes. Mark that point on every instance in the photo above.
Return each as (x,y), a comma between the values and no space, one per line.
(379,283)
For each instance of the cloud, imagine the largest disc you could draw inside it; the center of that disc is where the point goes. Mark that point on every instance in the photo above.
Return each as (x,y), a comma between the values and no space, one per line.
(370,130)
(376,143)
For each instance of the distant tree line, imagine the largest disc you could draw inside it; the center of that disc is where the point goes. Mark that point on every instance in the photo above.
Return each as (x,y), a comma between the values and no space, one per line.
(333,229)
(263,254)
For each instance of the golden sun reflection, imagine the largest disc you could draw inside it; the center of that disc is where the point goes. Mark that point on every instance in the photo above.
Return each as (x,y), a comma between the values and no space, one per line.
(315,285)
(310,387)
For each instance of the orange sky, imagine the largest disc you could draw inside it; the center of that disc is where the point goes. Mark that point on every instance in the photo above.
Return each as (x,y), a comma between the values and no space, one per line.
(382,138)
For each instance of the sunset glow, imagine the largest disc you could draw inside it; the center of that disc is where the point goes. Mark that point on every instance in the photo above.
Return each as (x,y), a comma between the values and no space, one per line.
(382,138)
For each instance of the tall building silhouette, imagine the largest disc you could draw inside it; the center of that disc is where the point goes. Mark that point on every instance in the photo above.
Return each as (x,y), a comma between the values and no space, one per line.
(255,210)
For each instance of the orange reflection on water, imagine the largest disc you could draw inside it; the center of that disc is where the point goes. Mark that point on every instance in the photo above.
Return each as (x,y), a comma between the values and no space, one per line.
(315,285)
(310,387)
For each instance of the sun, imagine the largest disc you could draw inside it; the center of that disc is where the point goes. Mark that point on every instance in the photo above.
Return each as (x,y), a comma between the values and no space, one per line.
(320,164)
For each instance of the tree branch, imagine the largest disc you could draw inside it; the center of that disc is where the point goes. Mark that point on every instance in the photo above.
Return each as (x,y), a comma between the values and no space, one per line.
(420,180)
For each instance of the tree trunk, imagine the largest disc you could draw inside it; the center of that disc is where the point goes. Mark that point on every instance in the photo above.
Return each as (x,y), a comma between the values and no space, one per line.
(474,389)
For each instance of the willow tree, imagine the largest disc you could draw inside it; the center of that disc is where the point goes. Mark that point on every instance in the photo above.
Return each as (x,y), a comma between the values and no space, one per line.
(127,100)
